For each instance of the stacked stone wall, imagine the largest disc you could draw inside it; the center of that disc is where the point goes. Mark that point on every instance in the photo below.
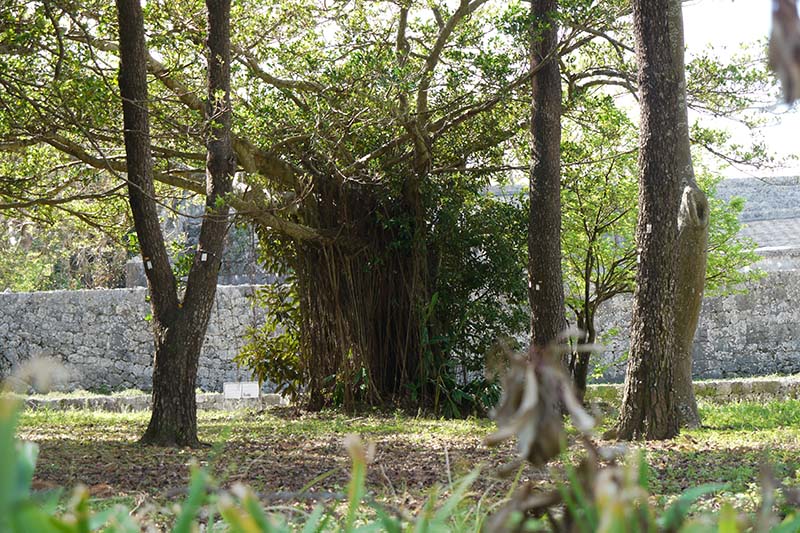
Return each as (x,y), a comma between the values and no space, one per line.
(766,198)
(754,333)
(105,339)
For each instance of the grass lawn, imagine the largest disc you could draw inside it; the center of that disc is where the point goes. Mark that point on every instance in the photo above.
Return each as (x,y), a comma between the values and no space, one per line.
(281,453)
(736,439)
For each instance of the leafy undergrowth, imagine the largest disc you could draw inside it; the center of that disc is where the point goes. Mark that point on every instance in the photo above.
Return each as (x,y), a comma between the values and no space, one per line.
(295,459)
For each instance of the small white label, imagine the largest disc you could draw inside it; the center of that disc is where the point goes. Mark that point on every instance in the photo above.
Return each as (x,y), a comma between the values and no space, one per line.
(537,286)
(149,265)
(203,256)
(649,228)
(250,389)
(236,390)
(232,391)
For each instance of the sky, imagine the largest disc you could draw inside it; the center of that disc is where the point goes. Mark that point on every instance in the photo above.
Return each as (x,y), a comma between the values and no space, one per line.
(726,24)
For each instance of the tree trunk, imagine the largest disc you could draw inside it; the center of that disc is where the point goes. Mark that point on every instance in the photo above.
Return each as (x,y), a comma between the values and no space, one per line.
(133,89)
(362,330)
(648,405)
(369,329)
(174,417)
(584,315)
(579,363)
(692,244)
(179,327)
(691,277)
(173,421)
(546,290)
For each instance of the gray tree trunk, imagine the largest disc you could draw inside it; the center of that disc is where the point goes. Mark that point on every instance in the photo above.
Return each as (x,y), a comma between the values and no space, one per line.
(648,405)
(546,290)
(692,253)
(692,242)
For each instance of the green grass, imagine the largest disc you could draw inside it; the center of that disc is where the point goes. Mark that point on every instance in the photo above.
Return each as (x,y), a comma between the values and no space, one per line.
(761,416)
(79,393)
(735,441)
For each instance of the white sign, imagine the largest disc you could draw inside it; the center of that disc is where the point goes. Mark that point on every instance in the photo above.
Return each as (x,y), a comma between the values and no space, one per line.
(236,390)
(250,389)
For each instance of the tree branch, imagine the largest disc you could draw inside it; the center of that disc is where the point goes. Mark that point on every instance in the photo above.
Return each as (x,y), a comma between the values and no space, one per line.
(248,208)
(465,9)
(49,201)
(252,159)
(279,83)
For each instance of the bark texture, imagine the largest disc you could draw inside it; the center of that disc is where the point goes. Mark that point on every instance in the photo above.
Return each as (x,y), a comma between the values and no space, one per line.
(357,320)
(691,277)
(546,289)
(179,325)
(648,406)
(692,243)
(579,359)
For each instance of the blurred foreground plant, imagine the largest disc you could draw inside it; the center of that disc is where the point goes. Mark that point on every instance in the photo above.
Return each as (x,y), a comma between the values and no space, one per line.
(608,490)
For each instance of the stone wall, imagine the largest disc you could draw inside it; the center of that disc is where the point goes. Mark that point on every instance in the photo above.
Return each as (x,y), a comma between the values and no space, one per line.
(752,334)
(766,198)
(105,341)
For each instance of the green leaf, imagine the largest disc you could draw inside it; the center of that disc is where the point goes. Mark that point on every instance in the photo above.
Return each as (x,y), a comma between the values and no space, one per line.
(256,512)
(100,519)
(29,518)
(791,524)
(315,522)
(456,497)
(727,519)
(195,499)
(27,452)
(584,510)
(355,490)
(675,514)
(389,523)
(8,458)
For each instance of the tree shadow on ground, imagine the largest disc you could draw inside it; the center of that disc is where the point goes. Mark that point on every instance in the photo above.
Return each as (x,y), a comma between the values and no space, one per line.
(405,466)
(277,455)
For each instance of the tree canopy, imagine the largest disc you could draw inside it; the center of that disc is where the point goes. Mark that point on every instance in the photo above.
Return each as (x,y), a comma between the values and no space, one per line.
(366,134)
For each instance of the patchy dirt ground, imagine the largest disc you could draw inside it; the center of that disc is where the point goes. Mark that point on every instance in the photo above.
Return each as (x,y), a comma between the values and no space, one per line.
(281,453)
